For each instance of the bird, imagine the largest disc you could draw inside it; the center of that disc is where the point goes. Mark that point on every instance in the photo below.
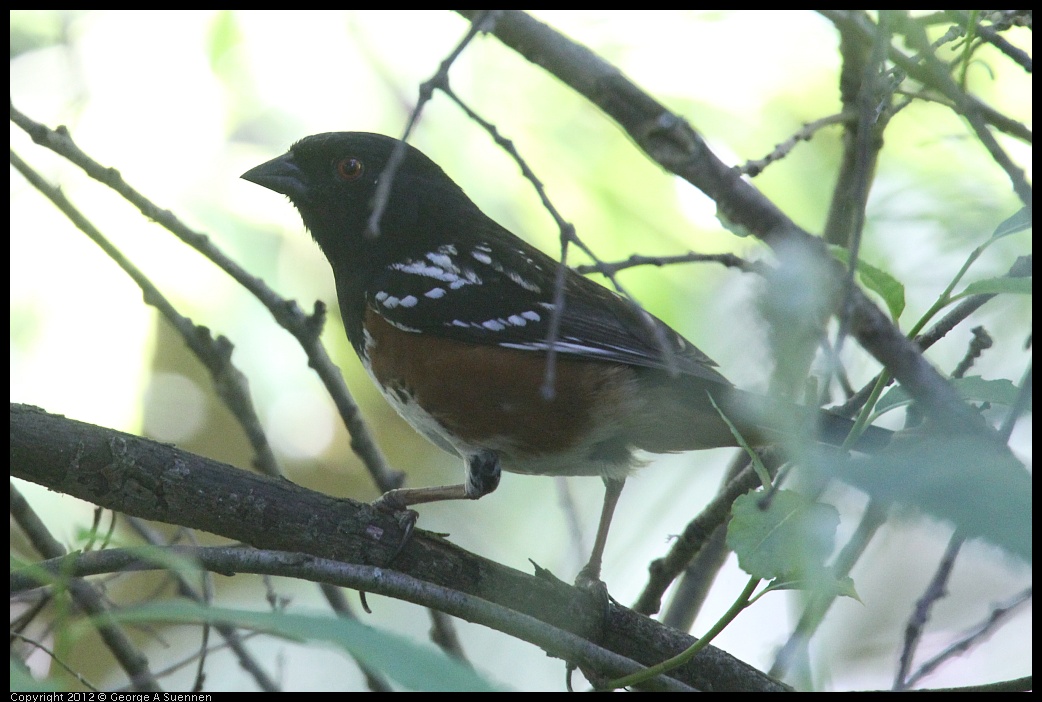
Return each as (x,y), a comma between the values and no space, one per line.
(451,315)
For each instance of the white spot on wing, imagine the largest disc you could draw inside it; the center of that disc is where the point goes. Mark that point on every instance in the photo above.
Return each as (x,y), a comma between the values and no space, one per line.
(441,260)
(439,265)
(516,277)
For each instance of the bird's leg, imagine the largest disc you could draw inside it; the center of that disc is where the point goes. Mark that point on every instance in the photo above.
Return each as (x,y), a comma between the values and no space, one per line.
(590,575)
(483,472)
(399,500)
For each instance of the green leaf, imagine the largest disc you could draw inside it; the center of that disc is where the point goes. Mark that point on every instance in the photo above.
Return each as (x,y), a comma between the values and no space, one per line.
(974,484)
(1017,222)
(412,665)
(972,388)
(21,680)
(1016,286)
(830,587)
(785,535)
(878,281)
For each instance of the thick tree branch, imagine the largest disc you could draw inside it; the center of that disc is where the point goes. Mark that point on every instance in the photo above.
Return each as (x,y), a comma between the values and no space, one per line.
(157,481)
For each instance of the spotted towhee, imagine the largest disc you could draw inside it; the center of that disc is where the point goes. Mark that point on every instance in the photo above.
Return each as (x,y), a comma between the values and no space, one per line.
(450,314)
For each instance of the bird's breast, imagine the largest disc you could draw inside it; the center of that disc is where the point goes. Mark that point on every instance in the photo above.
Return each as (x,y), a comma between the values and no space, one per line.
(467,397)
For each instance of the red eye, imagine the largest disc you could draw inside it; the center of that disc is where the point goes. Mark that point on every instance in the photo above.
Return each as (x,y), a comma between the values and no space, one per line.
(350,168)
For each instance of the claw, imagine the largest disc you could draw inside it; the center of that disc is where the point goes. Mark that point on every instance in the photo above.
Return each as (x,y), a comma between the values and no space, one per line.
(405,517)
(589,583)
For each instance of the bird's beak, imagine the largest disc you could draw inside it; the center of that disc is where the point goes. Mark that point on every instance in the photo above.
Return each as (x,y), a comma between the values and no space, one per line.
(281,174)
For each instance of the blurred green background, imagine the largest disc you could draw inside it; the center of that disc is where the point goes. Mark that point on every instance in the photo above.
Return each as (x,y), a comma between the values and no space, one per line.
(183,102)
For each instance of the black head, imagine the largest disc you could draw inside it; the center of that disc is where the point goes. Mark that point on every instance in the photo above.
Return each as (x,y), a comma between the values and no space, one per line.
(332,180)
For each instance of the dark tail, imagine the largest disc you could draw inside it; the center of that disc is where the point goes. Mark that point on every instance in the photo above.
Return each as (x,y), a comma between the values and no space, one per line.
(691,418)
(768,419)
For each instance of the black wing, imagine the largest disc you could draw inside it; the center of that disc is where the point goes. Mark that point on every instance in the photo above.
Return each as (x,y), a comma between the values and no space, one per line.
(496,291)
